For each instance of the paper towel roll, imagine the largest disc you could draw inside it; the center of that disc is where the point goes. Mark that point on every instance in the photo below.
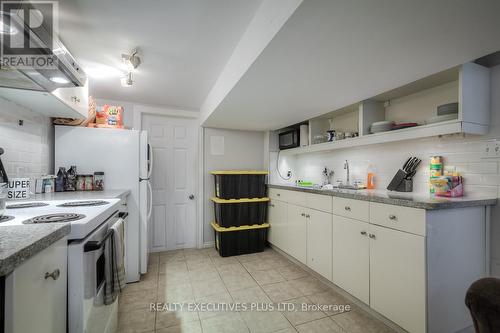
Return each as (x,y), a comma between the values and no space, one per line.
(304,135)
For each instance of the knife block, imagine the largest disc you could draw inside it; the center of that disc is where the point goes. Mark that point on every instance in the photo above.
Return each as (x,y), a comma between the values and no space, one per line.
(406,185)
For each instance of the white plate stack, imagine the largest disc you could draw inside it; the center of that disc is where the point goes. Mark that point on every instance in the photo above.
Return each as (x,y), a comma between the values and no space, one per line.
(381,126)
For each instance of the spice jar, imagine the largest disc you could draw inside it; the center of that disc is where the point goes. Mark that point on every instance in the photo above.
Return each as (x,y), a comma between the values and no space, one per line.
(80,183)
(99,181)
(89,182)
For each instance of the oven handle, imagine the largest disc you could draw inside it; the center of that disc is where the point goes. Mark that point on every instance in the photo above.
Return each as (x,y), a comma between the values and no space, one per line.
(96,245)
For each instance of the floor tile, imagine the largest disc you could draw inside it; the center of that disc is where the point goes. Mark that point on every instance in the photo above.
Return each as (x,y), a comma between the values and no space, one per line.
(257,265)
(358,321)
(287,330)
(292,272)
(250,295)
(175,293)
(173,278)
(203,274)
(205,264)
(264,322)
(301,314)
(140,286)
(247,257)
(137,300)
(175,318)
(214,305)
(267,277)
(219,261)
(282,291)
(231,269)
(238,281)
(309,285)
(229,323)
(136,321)
(325,325)
(191,327)
(335,302)
(208,287)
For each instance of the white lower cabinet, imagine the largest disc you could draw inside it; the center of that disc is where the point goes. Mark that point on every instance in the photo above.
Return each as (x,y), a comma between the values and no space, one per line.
(295,233)
(319,242)
(351,256)
(277,217)
(35,292)
(398,277)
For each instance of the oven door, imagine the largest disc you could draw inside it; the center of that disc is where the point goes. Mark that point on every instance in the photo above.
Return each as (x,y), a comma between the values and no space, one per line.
(86,309)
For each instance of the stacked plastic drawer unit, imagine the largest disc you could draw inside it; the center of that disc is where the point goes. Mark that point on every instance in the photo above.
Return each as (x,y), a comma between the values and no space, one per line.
(240,207)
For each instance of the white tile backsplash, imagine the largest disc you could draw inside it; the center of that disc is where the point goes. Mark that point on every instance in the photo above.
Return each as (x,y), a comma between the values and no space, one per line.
(28,148)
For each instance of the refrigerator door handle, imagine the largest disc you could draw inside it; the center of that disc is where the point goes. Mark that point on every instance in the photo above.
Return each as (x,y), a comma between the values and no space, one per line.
(150,209)
(150,157)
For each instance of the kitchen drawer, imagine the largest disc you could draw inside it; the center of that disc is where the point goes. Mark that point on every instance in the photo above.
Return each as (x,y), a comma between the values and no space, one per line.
(319,202)
(277,194)
(293,197)
(406,219)
(355,209)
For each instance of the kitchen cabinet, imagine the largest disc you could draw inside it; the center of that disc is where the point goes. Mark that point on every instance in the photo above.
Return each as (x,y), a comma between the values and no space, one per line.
(277,218)
(35,292)
(398,277)
(77,98)
(319,242)
(295,233)
(351,256)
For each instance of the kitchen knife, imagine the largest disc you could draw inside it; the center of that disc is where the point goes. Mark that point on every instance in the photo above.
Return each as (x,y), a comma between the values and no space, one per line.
(406,163)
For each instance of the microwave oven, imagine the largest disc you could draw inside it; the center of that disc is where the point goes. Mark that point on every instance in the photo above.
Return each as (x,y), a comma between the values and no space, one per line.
(289,139)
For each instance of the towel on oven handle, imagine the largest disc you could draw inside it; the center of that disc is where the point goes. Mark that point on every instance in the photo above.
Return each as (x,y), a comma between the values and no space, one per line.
(114,272)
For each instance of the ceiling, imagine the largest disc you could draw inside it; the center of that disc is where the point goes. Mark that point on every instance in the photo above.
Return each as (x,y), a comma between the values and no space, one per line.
(184,45)
(333,53)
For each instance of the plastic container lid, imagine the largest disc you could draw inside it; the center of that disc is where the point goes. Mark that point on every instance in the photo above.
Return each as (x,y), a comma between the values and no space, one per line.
(239,172)
(99,173)
(240,228)
(229,201)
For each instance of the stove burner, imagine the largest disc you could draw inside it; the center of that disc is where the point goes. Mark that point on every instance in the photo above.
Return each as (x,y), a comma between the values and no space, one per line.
(27,205)
(55,218)
(84,203)
(6,218)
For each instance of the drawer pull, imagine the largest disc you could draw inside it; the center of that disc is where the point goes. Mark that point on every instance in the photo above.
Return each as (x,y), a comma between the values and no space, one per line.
(308,216)
(393,217)
(363,233)
(54,275)
(372,236)
(347,208)
(271,205)
(277,194)
(303,214)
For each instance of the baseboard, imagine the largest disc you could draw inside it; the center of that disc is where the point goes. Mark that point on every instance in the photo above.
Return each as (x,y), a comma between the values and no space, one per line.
(208,244)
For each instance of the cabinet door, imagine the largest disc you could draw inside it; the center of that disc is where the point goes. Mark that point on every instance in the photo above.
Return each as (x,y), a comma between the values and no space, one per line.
(398,277)
(36,302)
(277,221)
(351,256)
(319,242)
(295,235)
(75,97)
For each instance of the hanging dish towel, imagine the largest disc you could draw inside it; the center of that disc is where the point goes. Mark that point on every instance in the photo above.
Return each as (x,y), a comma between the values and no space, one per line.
(114,272)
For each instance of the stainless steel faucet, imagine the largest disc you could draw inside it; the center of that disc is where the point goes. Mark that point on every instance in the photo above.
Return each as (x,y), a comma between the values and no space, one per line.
(346,168)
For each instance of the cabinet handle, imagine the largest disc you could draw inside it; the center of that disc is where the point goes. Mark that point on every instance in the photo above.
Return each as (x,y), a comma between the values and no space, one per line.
(363,233)
(277,194)
(303,214)
(393,217)
(54,275)
(271,205)
(308,216)
(75,99)
(372,236)
(347,208)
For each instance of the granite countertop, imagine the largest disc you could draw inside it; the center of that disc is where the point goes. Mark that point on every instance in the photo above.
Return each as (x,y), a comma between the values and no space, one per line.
(82,195)
(413,200)
(18,243)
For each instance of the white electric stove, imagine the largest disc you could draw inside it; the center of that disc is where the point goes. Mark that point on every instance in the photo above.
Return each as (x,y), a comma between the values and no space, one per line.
(90,221)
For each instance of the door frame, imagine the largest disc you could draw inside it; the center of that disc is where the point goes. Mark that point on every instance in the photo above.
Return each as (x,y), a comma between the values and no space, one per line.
(139,111)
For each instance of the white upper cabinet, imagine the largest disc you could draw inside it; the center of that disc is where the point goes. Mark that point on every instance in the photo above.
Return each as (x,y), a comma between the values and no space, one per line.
(76,98)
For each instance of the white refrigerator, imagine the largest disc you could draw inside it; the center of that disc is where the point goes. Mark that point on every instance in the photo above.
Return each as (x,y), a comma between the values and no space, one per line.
(126,159)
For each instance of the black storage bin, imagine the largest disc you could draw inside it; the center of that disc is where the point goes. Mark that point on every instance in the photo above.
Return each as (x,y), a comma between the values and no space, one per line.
(235,184)
(240,240)
(238,212)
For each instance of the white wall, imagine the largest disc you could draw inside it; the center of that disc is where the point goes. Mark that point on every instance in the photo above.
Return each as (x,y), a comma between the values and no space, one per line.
(29,149)
(481,176)
(243,150)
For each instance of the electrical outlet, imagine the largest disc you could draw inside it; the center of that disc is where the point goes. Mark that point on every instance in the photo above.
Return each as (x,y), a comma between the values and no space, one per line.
(491,149)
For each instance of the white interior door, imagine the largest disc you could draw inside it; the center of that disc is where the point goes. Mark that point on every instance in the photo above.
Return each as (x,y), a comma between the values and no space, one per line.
(173,180)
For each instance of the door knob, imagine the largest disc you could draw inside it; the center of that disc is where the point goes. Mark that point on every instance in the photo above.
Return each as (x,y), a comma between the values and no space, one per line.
(191,197)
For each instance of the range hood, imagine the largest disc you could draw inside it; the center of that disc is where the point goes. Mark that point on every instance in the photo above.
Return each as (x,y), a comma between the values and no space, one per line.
(67,74)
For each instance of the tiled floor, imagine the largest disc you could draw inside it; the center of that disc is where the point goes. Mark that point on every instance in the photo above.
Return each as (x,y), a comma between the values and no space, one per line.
(203,277)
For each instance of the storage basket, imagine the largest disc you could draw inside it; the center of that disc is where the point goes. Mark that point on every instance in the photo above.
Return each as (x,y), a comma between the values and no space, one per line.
(238,212)
(234,184)
(234,241)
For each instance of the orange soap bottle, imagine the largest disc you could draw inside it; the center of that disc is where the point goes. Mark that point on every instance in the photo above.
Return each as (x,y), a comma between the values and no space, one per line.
(370,178)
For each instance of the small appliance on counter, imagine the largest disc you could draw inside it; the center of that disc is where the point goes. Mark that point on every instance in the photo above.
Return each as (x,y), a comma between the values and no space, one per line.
(403,180)
(444,181)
